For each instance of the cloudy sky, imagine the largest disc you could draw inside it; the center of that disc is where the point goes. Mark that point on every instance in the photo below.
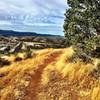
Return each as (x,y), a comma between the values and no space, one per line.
(42,16)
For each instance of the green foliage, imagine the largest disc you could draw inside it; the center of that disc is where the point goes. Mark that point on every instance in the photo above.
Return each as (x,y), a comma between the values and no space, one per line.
(82,24)
(83,16)
(91,43)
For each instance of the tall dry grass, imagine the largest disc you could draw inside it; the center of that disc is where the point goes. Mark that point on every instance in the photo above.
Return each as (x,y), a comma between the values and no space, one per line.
(50,75)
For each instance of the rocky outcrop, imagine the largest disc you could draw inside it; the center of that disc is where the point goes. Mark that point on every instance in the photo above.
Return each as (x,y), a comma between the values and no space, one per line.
(17,44)
(4,49)
(17,48)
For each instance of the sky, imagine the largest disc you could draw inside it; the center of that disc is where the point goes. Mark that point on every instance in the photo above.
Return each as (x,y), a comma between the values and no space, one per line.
(41,16)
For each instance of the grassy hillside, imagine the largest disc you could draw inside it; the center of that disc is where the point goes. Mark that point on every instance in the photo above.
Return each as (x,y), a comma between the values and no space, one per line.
(50,75)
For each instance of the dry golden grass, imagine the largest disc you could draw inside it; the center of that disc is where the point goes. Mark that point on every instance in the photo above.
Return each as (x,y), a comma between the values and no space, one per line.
(49,75)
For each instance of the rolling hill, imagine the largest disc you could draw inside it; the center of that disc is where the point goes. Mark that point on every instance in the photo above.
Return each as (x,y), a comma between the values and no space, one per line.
(19,34)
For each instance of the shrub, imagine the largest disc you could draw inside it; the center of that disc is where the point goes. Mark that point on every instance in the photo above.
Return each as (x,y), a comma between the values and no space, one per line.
(28,55)
(4,62)
(96,72)
(18,59)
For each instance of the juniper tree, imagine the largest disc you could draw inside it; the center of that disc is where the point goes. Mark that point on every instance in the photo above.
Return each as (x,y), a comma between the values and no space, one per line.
(82,20)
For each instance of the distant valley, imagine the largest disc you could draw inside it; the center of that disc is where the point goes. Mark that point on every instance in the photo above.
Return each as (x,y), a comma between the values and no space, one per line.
(14,42)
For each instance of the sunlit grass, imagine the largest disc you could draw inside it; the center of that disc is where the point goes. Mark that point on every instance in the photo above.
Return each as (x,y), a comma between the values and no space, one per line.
(49,75)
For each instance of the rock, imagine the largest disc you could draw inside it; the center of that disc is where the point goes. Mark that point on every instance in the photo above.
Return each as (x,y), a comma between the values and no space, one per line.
(17,48)
(4,49)
(27,46)
(38,46)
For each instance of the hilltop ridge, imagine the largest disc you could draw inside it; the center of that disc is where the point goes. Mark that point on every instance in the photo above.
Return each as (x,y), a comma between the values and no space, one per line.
(18,33)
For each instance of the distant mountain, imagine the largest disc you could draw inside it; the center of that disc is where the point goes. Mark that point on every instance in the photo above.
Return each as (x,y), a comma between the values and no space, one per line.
(19,34)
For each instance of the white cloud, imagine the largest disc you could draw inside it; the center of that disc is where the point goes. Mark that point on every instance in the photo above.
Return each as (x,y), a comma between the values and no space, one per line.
(32,12)
(33,7)
(5,23)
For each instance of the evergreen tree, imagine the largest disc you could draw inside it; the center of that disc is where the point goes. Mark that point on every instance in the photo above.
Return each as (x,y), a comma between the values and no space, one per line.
(82,20)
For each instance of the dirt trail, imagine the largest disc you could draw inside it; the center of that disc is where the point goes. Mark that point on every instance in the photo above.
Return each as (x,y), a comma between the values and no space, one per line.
(31,90)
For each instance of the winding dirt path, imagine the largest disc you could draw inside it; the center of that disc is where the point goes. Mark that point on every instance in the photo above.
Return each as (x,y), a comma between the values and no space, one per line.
(36,78)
